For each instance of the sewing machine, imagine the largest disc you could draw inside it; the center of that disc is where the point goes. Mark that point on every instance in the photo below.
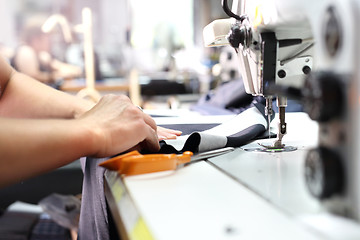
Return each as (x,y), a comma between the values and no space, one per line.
(308,50)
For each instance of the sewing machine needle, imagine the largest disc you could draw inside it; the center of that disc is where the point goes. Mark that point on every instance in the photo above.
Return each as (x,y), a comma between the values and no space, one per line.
(268,111)
(269,120)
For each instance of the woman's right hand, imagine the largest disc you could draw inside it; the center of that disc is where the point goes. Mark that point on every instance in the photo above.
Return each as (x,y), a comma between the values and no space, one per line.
(118,126)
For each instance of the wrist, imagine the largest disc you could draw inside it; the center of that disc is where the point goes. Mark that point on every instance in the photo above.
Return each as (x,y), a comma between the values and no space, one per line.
(91,137)
(82,107)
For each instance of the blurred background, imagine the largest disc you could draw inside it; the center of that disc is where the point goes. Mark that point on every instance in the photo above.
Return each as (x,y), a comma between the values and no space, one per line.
(158,43)
(161,39)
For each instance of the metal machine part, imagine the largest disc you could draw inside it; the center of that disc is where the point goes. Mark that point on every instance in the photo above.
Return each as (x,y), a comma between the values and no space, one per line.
(324,173)
(269,56)
(286,43)
(282,103)
(323,96)
(331,97)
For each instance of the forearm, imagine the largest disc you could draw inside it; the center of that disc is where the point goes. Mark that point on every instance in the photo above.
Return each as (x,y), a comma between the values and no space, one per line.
(64,70)
(27,98)
(44,77)
(32,147)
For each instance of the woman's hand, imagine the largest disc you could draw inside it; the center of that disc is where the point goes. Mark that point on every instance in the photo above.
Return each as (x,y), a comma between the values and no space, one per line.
(118,126)
(165,133)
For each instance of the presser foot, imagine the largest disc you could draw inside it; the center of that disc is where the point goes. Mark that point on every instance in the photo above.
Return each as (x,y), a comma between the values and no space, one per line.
(277,146)
(271,148)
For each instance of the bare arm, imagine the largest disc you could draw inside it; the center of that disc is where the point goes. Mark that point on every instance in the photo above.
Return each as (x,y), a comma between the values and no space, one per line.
(38,131)
(42,129)
(27,62)
(32,146)
(24,97)
(65,70)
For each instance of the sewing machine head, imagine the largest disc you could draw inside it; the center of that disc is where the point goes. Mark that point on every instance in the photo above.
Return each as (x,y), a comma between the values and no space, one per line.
(271,51)
(287,45)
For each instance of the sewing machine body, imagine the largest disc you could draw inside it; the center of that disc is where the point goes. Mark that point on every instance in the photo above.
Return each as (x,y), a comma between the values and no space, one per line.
(268,29)
(330,93)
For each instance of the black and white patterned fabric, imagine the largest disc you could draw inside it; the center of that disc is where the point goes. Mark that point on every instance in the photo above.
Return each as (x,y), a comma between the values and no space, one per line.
(95,222)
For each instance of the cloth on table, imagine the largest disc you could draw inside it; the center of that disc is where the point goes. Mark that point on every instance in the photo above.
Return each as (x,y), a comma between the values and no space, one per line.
(187,129)
(95,220)
(229,98)
(251,124)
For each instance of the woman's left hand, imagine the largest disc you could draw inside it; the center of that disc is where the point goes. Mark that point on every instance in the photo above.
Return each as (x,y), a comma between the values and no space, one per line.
(165,133)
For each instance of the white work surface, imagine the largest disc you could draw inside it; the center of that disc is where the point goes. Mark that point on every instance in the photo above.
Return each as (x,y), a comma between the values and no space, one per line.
(278,177)
(239,195)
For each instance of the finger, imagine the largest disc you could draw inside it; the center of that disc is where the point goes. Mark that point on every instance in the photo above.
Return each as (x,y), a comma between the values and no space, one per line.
(162,137)
(149,121)
(176,132)
(151,142)
(164,131)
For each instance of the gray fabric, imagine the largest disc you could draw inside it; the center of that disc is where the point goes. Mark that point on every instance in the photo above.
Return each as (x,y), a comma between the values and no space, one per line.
(211,142)
(93,223)
(94,219)
(249,125)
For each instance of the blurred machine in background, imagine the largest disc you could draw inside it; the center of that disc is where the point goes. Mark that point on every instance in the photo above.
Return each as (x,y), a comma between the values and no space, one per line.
(306,50)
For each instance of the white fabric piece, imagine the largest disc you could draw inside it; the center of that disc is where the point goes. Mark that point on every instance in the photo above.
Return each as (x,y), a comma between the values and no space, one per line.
(244,120)
(210,142)
(240,122)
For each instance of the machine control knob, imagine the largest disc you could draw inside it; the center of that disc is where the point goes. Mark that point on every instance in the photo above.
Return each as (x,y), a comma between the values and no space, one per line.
(236,36)
(322,96)
(323,173)
(240,33)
